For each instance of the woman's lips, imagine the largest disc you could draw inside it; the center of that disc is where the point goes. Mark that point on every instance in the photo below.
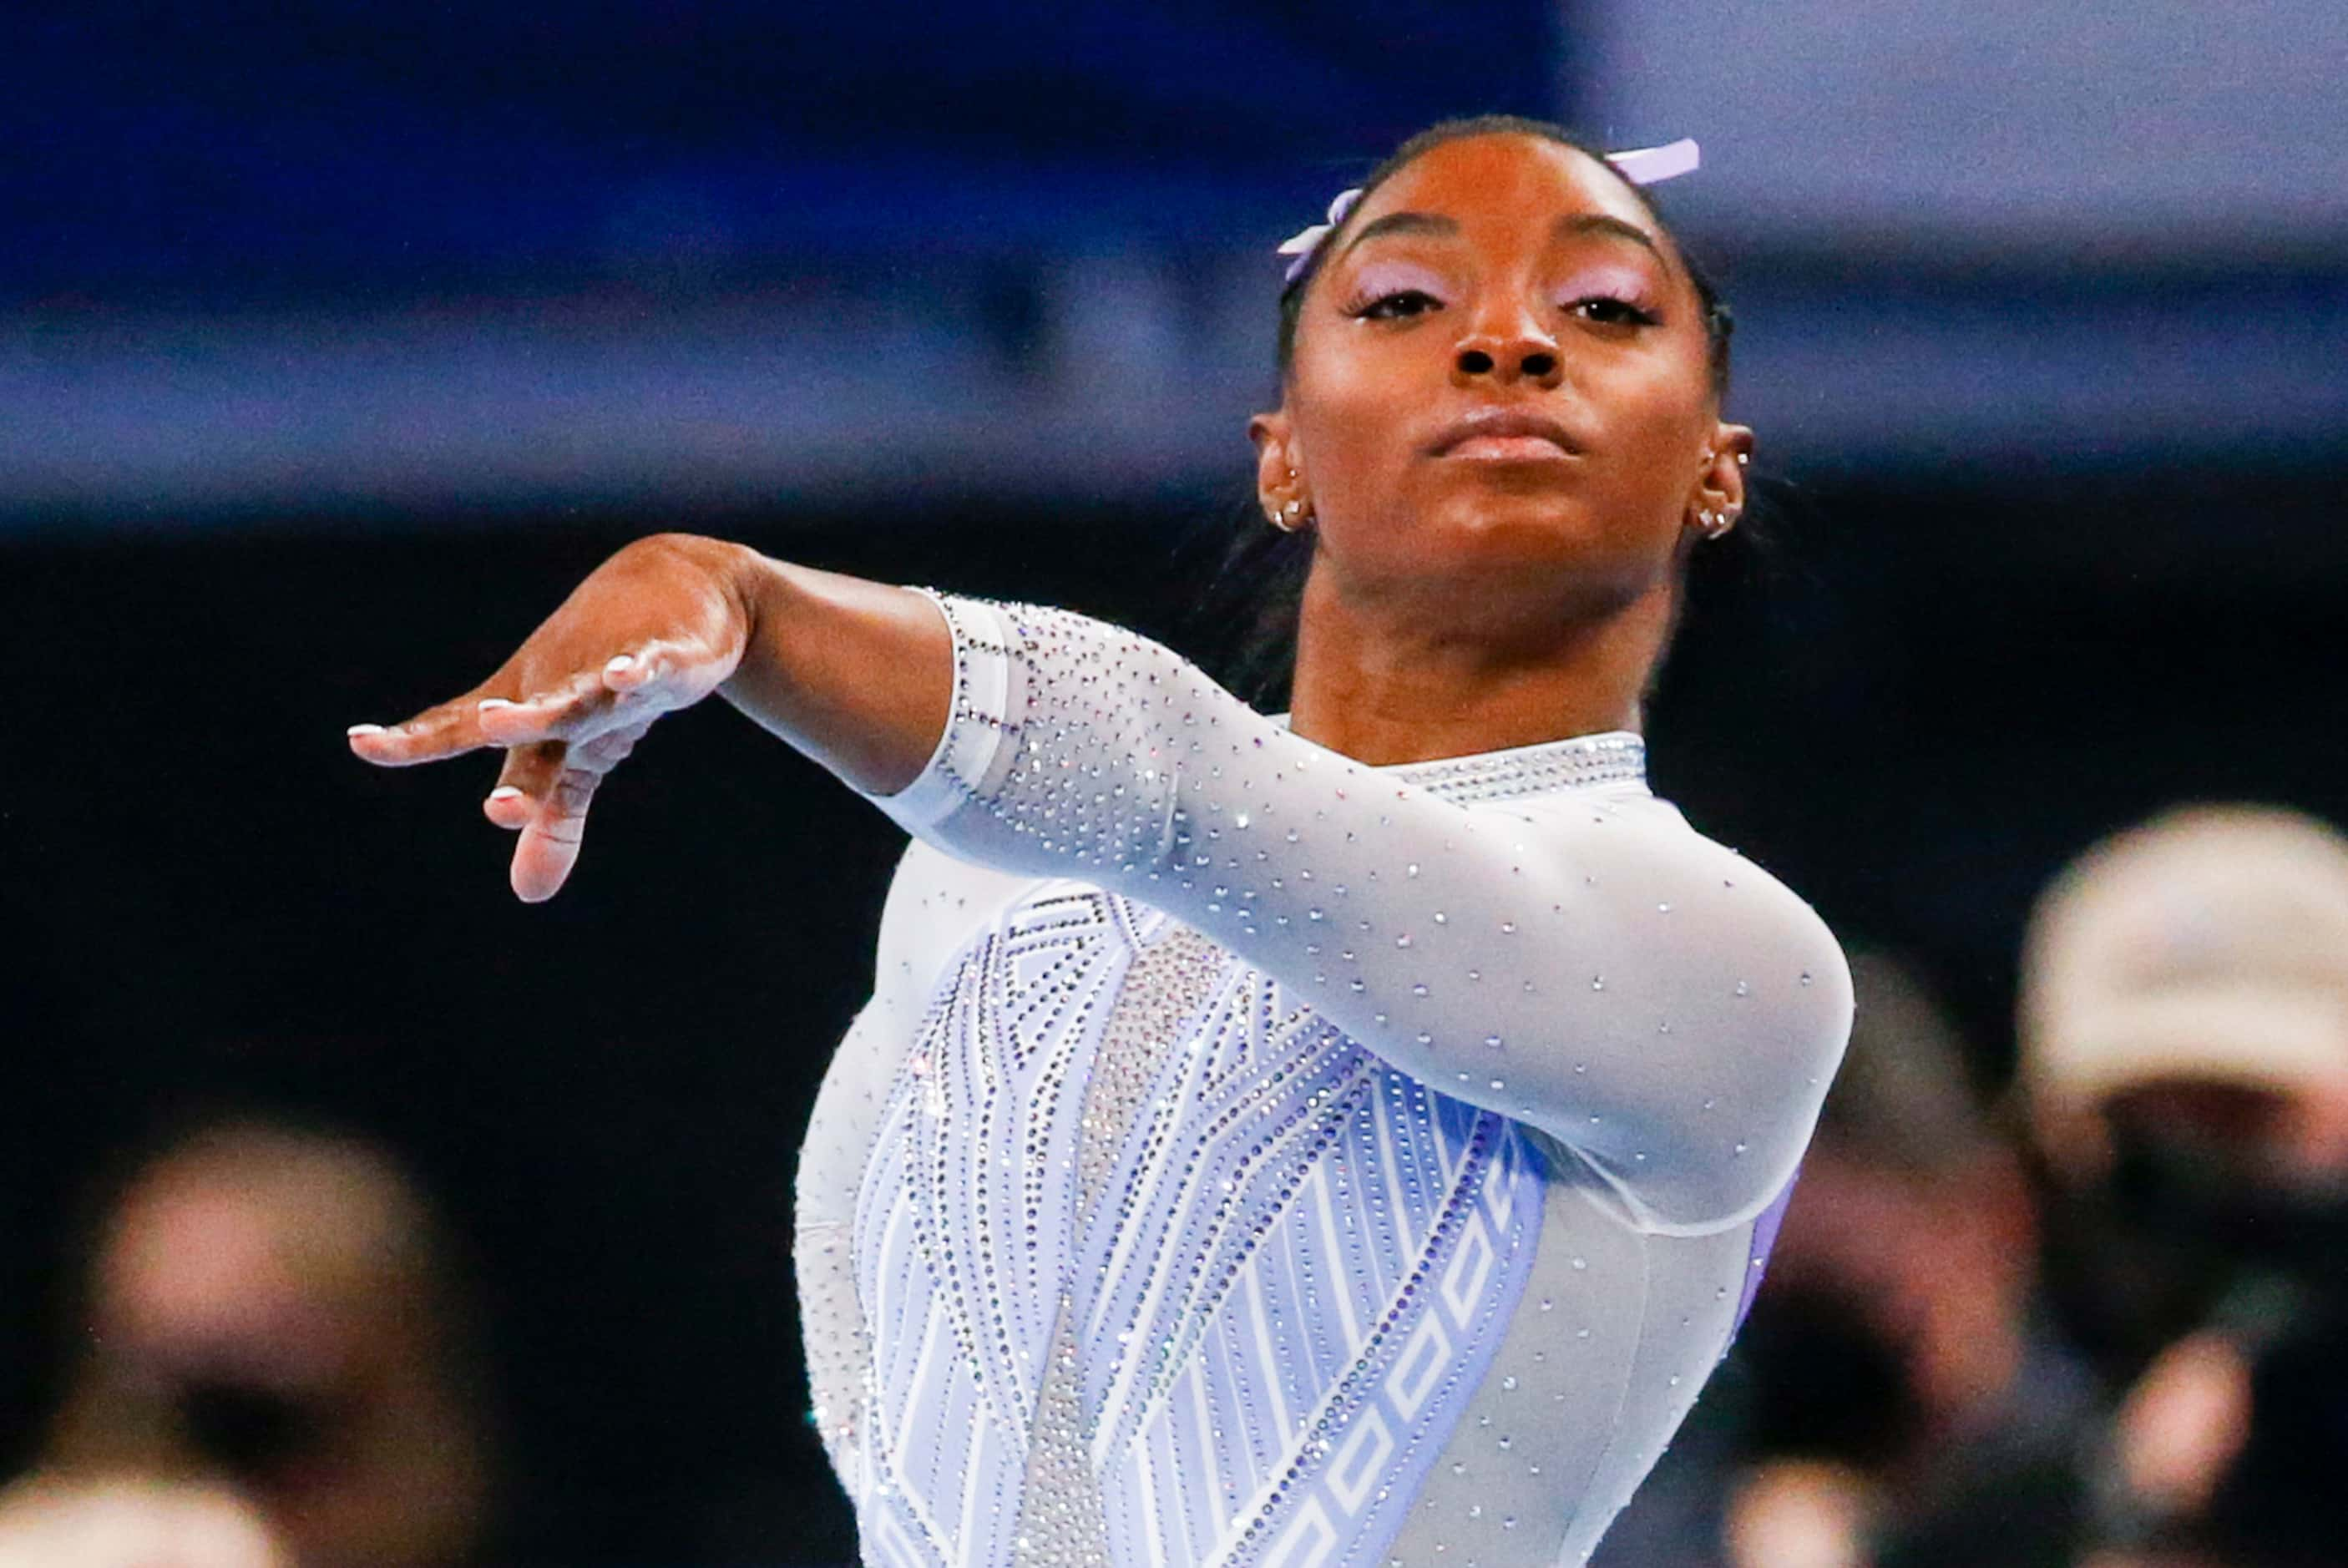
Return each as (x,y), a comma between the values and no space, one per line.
(1501,435)
(1508,450)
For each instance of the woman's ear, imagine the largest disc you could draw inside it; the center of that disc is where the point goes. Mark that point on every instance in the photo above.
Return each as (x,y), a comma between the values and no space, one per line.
(1717,499)
(1278,484)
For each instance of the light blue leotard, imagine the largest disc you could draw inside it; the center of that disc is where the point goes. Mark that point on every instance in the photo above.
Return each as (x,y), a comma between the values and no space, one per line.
(1250,1157)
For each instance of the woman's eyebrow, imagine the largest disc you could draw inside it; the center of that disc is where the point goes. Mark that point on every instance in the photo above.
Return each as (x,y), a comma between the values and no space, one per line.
(1404,223)
(1574,225)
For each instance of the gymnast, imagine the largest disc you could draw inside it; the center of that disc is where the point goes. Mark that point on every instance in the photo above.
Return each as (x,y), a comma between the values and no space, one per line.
(1350,1137)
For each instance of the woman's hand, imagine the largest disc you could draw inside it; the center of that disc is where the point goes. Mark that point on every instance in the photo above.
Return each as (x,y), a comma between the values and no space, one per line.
(659,626)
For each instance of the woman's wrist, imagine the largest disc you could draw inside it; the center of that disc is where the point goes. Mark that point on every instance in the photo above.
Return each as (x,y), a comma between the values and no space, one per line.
(758,587)
(858,675)
(735,572)
(769,604)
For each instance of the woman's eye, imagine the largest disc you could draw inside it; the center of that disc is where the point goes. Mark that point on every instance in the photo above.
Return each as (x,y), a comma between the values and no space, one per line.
(1608,311)
(1399,305)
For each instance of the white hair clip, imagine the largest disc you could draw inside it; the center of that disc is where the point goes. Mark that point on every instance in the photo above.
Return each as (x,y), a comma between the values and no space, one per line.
(1646,165)
(1640,166)
(1305,241)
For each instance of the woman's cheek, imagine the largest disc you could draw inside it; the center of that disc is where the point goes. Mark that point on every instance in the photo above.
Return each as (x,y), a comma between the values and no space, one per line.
(1351,422)
(1651,416)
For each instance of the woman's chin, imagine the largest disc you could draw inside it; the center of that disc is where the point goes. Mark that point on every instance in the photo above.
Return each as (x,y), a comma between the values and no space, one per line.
(1520,528)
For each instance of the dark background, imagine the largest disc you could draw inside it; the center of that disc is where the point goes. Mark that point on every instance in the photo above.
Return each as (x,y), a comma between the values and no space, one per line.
(230,526)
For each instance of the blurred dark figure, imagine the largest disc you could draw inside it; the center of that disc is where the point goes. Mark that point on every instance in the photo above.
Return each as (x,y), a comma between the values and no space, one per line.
(277,1373)
(1895,1349)
(2185,1061)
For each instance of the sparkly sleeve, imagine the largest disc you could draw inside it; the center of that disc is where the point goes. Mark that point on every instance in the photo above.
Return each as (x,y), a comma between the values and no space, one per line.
(1585,963)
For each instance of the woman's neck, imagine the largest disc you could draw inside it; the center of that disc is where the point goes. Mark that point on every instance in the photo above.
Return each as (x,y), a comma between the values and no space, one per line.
(1390,683)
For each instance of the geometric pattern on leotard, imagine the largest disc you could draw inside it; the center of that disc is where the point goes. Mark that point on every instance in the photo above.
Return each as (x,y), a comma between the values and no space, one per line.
(1295,1265)
(969,1180)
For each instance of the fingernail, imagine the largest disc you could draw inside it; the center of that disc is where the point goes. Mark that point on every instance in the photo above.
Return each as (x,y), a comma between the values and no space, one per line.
(505,792)
(356,731)
(619,661)
(488,703)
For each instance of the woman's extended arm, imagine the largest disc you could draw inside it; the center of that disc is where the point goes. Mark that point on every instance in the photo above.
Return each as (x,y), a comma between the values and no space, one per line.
(1592,968)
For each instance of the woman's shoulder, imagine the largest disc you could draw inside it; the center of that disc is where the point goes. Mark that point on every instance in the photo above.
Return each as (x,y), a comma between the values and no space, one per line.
(1651,853)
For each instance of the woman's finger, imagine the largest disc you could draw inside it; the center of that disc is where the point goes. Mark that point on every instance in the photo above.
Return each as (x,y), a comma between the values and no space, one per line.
(628,690)
(566,710)
(450,729)
(527,777)
(647,671)
(507,807)
(549,841)
(608,751)
(553,785)
(647,680)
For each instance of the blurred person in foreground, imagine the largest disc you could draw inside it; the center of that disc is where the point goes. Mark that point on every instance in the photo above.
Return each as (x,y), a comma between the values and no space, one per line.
(119,1521)
(1895,1356)
(1351,1138)
(2185,1060)
(276,1372)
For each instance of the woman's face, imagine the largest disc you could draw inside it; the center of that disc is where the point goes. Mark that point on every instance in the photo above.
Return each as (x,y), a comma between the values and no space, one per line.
(1501,382)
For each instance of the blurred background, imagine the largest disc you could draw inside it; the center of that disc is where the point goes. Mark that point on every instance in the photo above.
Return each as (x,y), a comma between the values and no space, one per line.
(337,341)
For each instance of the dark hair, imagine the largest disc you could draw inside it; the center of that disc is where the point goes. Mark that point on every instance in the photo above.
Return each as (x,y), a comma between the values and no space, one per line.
(1253,599)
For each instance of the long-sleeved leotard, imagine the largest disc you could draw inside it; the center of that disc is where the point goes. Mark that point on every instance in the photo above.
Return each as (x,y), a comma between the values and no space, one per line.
(1250,1156)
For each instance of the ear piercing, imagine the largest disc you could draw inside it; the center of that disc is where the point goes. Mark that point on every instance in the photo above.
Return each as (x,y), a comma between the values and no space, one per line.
(1290,514)
(1715,523)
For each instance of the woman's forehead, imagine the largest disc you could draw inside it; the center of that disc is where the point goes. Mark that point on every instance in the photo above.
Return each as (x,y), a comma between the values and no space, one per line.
(1507,173)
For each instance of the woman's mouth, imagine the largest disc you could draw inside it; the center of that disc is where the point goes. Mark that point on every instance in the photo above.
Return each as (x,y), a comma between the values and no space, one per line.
(1505,436)
(1508,449)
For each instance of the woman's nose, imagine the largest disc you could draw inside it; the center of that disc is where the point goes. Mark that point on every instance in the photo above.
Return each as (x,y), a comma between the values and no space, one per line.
(1520,353)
